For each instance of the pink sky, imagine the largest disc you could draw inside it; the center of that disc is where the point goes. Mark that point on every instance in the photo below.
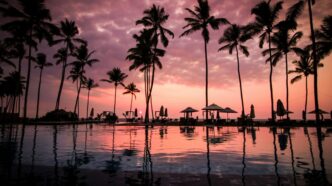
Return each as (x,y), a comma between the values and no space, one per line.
(108,26)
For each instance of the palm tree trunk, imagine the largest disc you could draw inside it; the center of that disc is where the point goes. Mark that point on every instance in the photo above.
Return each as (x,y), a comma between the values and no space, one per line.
(321,153)
(77,100)
(276,161)
(206,79)
(292,157)
(38,94)
(306,95)
(131,104)
(270,78)
(115,97)
(151,87)
(315,62)
(63,74)
(287,96)
(28,81)
(146,74)
(239,74)
(87,105)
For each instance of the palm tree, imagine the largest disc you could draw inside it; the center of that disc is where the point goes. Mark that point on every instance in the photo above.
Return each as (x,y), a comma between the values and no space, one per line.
(16,44)
(304,67)
(315,60)
(324,38)
(284,42)
(117,77)
(77,75)
(234,37)
(265,18)
(143,55)
(13,86)
(83,57)
(36,20)
(89,84)
(68,33)
(154,20)
(200,20)
(4,56)
(131,89)
(41,63)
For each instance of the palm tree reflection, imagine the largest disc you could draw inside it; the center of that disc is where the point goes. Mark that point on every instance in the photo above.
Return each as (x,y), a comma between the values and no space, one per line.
(244,157)
(208,155)
(274,131)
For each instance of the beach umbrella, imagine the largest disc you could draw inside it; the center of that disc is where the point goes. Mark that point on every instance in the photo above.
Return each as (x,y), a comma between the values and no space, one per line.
(166,113)
(281,111)
(188,110)
(136,112)
(252,112)
(161,111)
(212,107)
(92,113)
(228,110)
(320,111)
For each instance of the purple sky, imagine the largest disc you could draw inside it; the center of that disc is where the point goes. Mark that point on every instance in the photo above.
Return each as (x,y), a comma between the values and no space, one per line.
(108,26)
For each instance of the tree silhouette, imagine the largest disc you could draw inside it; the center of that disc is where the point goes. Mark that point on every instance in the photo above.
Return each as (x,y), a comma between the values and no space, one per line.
(284,42)
(131,89)
(82,58)
(117,77)
(77,75)
(12,86)
(154,20)
(143,55)
(89,84)
(16,44)
(68,33)
(304,67)
(233,38)
(315,59)
(35,18)
(266,16)
(324,38)
(200,20)
(4,57)
(41,62)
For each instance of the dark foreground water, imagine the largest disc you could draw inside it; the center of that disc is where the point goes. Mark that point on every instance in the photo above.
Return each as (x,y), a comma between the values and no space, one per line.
(103,154)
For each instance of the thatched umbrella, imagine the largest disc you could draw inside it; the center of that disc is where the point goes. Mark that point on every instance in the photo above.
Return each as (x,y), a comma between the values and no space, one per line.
(228,110)
(212,107)
(188,111)
(320,112)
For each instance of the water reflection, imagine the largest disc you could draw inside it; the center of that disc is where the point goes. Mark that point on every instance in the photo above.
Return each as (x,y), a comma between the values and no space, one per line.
(136,155)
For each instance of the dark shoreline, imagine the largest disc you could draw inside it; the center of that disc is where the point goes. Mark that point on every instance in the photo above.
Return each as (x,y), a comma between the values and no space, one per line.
(261,123)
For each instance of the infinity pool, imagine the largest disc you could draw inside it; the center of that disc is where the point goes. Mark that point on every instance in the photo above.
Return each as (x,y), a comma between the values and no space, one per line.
(102,154)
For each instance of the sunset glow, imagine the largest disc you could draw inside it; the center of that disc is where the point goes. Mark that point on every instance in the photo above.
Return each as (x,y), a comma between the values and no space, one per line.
(108,26)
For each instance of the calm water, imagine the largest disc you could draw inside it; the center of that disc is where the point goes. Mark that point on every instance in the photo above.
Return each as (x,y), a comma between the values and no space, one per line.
(104,153)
